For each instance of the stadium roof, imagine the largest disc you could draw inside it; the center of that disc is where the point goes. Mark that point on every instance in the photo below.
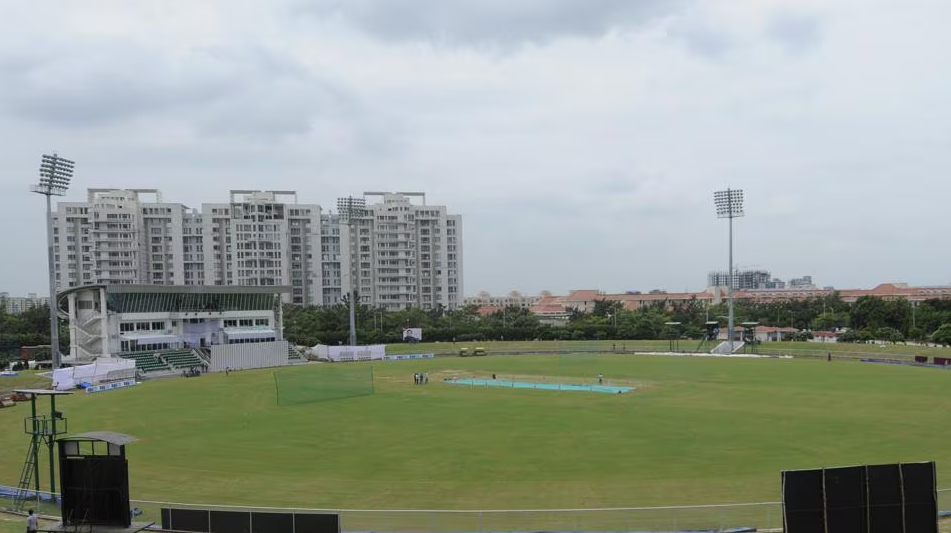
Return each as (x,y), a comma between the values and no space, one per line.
(119,288)
(119,439)
(131,298)
(42,392)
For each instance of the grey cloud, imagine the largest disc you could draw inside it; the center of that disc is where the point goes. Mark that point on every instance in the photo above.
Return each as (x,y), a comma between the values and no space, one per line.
(492,22)
(244,91)
(797,32)
(704,40)
(99,83)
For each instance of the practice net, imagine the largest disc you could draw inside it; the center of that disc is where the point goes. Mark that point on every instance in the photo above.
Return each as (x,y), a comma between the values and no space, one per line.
(317,383)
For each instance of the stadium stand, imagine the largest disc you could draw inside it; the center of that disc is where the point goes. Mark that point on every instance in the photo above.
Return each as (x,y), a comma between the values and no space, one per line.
(293,356)
(147,362)
(179,359)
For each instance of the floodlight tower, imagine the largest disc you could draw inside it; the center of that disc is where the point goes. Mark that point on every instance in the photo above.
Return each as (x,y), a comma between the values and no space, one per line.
(729,205)
(55,173)
(349,209)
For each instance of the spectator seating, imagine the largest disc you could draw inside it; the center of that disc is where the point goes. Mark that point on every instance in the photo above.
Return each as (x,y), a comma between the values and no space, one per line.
(293,355)
(179,359)
(147,362)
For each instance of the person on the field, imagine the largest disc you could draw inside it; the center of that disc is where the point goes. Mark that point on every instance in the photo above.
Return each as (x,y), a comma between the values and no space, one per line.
(32,522)
(600,379)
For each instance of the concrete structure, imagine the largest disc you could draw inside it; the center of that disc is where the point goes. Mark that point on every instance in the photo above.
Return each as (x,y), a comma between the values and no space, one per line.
(257,239)
(404,253)
(118,236)
(804,282)
(512,299)
(15,305)
(742,279)
(110,319)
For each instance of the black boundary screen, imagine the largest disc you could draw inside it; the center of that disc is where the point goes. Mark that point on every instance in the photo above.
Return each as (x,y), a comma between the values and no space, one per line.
(874,499)
(189,520)
(229,522)
(316,523)
(845,492)
(884,498)
(272,523)
(802,501)
(921,506)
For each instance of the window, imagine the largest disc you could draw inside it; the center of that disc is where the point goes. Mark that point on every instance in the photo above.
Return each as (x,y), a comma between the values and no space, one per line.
(128,326)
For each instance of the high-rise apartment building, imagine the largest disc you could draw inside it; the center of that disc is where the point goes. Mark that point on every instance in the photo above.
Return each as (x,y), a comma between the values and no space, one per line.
(403,254)
(18,304)
(118,236)
(742,279)
(259,239)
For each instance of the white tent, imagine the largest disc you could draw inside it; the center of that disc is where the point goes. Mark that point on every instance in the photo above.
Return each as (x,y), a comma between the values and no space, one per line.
(104,369)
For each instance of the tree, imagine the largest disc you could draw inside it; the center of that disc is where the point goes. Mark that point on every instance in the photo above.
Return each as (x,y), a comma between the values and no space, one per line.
(830,321)
(942,335)
(889,335)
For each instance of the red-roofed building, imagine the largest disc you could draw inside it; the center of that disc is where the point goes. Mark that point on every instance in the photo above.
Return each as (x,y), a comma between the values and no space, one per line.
(556,309)
(824,336)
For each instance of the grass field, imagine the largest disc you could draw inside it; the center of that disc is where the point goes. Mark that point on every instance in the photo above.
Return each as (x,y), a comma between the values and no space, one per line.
(696,431)
(795,348)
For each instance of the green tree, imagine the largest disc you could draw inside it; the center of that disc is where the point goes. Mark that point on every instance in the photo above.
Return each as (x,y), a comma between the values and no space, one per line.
(942,335)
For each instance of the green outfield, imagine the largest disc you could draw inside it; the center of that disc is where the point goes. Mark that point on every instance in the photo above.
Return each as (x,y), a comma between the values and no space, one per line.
(697,430)
(794,348)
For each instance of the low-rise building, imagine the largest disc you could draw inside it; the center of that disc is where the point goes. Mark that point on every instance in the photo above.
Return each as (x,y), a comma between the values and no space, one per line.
(212,326)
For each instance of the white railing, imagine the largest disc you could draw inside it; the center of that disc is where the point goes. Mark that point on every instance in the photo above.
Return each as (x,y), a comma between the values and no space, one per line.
(764,516)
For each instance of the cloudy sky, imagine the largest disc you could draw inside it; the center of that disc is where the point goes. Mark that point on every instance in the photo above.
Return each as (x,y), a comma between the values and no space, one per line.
(580,139)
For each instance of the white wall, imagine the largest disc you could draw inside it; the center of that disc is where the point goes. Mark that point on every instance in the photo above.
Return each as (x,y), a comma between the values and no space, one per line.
(249,355)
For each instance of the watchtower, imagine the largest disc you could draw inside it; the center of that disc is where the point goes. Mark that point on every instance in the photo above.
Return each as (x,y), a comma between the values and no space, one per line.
(673,335)
(42,429)
(749,337)
(711,330)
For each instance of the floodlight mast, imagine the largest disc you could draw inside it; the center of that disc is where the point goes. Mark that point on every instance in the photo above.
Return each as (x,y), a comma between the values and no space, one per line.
(55,174)
(349,209)
(729,204)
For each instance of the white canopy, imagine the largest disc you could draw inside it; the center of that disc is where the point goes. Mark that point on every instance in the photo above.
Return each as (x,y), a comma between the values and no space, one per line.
(104,369)
(152,339)
(237,334)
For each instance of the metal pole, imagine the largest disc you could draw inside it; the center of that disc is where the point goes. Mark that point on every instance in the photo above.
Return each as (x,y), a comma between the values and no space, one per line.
(353,292)
(54,323)
(35,447)
(730,281)
(353,319)
(49,440)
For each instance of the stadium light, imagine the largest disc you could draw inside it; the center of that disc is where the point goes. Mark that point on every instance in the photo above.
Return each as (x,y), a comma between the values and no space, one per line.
(55,173)
(729,204)
(351,208)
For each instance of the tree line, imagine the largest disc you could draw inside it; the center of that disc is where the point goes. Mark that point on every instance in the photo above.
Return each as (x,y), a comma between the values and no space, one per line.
(29,328)
(869,318)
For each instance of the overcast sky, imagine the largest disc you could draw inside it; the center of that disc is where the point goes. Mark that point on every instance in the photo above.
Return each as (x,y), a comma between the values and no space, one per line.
(581,140)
